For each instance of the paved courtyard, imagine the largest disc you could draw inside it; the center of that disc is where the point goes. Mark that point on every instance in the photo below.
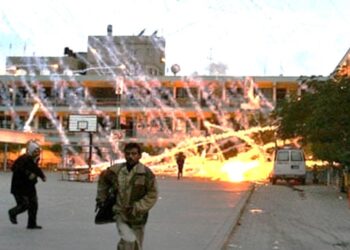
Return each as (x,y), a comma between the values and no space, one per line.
(190,214)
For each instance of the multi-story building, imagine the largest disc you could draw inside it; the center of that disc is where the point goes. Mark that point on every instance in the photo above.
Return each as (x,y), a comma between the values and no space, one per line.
(121,80)
(150,107)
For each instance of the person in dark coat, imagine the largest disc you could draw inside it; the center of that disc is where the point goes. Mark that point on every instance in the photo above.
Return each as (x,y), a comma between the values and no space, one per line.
(24,178)
(180,161)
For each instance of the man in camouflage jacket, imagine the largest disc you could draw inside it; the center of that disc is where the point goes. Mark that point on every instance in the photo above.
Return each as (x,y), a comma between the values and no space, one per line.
(136,190)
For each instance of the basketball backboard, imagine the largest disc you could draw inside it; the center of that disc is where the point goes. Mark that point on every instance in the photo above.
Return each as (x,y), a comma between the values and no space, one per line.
(82,123)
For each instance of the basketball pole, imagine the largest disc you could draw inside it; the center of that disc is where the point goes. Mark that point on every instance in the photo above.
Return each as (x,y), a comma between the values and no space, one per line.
(90,157)
(83,124)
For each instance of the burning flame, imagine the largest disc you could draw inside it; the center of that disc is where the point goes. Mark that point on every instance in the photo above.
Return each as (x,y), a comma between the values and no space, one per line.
(249,164)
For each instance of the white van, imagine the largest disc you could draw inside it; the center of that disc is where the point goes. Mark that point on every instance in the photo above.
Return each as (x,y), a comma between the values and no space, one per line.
(289,164)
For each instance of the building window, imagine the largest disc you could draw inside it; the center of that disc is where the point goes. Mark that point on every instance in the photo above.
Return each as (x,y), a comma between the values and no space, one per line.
(281,94)
(5,121)
(184,92)
(152,71)
(21,95)
(20,121)
(45,123)
(267,93)
(181,93)
(165,94)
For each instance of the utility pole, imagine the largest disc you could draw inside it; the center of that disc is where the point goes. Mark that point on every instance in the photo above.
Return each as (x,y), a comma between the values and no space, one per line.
(118,92)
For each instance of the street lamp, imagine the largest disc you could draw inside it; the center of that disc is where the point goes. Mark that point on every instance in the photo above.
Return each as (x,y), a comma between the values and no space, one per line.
(118,91)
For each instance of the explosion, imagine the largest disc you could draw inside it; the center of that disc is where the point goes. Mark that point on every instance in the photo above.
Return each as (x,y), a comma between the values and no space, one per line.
(249,164)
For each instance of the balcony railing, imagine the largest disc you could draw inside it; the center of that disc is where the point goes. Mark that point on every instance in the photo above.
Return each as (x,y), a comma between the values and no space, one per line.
(232,102)
(148,134)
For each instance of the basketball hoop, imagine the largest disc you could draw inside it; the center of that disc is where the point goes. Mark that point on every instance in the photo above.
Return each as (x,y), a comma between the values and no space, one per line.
(82,123)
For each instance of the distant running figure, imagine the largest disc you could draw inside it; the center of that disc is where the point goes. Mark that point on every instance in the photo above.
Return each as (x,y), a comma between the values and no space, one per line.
(180,161)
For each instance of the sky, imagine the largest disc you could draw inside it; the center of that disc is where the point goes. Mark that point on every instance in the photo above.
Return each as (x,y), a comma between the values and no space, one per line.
(250,37)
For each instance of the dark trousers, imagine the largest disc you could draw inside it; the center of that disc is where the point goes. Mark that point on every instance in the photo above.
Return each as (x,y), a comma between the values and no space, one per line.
(29,203)
(179,173)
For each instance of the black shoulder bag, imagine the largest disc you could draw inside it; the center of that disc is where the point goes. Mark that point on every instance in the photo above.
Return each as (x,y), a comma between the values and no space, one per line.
(104,213)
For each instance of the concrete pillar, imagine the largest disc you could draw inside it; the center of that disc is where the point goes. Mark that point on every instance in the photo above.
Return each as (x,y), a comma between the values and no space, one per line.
(299,89)
(223,99)
(36,123)
(274,93)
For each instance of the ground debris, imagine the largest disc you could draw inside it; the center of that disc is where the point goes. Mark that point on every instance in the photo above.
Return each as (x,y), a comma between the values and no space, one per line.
(341,244)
